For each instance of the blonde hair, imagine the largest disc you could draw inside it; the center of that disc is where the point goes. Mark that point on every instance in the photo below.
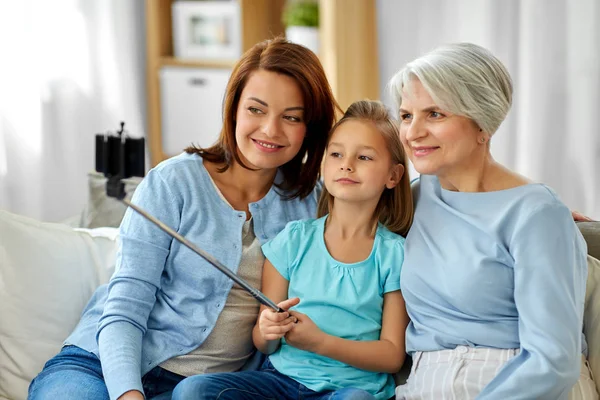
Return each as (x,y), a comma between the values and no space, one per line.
(395,208)
(464,79)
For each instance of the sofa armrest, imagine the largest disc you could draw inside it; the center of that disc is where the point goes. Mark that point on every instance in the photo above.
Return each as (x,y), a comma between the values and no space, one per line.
(591,318)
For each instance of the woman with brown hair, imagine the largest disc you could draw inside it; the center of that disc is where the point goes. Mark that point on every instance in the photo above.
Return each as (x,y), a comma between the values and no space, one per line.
(167,314)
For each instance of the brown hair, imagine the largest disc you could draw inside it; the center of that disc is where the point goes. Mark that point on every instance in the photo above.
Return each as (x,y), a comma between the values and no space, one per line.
(395,208)
(300,174)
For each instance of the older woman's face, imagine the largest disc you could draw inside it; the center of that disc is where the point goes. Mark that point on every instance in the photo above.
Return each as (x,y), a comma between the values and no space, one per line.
(437,142)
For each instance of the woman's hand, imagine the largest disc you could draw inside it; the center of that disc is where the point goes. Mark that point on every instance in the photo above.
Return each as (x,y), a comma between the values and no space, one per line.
(305,334)
(131,395)
(579,217)
(274,325)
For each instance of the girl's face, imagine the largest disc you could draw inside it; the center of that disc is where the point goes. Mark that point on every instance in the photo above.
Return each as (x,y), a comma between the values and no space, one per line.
(270,126)
(436,141)
(358,166)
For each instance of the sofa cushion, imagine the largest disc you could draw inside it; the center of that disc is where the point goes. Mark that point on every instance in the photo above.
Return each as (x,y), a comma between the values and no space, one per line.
(591,319)
(591,233)
(48,272)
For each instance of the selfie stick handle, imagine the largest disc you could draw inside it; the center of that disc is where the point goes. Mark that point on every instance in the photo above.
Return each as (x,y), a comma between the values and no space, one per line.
(262,299)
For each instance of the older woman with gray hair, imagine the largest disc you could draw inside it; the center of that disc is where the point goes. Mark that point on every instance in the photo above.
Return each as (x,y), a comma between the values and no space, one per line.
(495,269)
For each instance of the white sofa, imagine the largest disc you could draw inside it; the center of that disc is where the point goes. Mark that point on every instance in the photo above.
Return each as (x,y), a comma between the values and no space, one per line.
(49,271)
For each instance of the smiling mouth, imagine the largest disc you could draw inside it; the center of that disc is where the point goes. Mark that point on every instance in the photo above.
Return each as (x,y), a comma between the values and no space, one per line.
(266,145)
(423,151)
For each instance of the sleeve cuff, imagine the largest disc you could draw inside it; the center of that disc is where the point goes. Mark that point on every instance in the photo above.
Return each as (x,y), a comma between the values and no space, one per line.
(120,346)
(391,287)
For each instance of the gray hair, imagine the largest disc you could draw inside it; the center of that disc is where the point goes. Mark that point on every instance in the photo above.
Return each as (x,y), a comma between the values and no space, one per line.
(464,79)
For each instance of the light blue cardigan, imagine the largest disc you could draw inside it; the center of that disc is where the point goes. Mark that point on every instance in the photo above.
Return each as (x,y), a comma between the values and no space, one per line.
(163,300)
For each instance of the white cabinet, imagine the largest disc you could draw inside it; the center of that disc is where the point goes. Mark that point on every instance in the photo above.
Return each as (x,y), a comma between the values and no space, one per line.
(191,106)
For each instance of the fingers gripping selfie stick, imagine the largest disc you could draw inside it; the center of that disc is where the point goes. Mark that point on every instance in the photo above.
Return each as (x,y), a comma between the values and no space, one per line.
(128,158)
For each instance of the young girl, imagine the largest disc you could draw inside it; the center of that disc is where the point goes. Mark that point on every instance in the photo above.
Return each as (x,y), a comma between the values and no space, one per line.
(341,273)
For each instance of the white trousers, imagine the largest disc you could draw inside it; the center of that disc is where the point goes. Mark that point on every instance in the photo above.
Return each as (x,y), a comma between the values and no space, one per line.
(460,374)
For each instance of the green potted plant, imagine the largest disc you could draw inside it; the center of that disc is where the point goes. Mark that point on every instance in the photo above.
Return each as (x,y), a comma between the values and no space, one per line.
(301,20)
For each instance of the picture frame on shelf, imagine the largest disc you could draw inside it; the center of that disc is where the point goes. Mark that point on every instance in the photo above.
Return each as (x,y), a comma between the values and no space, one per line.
(206,30)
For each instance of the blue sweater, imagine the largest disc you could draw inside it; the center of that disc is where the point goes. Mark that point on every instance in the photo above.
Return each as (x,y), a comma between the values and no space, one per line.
(163,300)
(503,269)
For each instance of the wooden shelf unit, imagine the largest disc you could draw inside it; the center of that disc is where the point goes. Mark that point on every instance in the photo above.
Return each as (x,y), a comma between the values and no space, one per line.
(173,61)
(348,50)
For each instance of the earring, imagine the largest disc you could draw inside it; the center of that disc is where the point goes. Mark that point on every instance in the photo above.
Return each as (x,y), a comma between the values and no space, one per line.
(482,140)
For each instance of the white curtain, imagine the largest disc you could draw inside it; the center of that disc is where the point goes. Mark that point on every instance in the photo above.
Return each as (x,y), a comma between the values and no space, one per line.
(552,50)
(68,69)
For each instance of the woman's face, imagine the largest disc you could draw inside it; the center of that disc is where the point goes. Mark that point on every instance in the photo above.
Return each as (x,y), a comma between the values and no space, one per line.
(270,126)
(437,142)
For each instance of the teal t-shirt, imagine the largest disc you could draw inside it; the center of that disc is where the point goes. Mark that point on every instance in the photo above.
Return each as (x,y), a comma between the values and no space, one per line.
(345,300)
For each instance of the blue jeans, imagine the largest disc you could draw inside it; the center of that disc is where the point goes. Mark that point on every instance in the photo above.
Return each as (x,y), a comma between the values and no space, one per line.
(265,384)
(75,374)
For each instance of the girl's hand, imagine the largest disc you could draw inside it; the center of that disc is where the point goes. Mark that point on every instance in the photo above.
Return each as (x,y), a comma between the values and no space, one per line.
(274,325)
(305,334)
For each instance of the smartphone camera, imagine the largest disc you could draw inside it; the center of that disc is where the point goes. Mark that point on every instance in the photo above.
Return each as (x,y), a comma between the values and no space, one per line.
(110,147)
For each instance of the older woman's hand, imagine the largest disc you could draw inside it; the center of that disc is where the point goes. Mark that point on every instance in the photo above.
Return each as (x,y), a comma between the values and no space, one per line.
(579,217)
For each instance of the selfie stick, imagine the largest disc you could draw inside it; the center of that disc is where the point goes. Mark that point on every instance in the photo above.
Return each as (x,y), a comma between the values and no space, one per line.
(116,188)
